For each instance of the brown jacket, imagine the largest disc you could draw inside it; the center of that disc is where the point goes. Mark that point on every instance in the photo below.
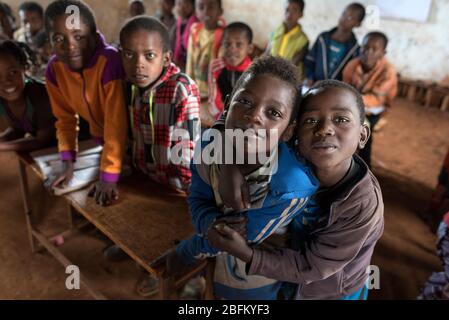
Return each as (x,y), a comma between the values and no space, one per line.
(334,264)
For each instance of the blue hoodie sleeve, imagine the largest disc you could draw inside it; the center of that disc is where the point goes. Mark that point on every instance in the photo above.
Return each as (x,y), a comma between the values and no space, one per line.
(202,205)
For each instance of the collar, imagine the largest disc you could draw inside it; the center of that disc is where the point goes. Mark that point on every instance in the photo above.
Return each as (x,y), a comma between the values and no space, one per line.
(241,67)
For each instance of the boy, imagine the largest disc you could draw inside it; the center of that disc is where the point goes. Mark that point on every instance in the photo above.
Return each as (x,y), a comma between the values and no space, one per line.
(161,100)
(264,99)
(136,8)
(165,13)
(288,40)
(204,42)
(332,246)
(225,72)
(31,23)
(84,78)
(335,48)
(375,78)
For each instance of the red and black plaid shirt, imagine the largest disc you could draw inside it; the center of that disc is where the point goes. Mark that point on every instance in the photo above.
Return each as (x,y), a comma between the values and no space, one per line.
(163,141)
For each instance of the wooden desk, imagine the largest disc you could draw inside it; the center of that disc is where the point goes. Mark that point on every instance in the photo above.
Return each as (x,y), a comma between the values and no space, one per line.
(146,222)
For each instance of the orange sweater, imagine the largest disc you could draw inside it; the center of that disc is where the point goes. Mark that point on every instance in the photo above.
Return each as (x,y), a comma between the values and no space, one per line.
(97,95)
(378,87)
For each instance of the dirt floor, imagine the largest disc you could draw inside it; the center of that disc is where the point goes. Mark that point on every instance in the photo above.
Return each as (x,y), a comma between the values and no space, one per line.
(408,153)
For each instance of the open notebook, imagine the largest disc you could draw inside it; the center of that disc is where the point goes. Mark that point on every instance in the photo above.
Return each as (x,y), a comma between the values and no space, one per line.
(87,166)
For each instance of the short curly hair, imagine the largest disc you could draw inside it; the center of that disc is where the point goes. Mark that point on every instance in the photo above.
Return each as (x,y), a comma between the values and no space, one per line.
(325,84)
(149,24)
(278,68)
(20,51)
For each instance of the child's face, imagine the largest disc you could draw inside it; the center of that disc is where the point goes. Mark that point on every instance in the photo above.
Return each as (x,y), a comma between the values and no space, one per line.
(371,52)
(5,26)
(136,9)
(208,12)
(74,47)
(329,128)
(265,103)
(166,6)
(349,19)
(143,57)
(184,8)
(12,78)
(236,47)
(31,21)
(292,14)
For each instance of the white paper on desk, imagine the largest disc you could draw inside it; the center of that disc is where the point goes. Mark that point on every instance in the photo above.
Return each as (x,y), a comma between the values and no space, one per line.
(81,178)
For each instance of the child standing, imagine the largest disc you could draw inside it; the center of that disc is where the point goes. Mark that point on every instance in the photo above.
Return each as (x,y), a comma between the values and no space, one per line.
(24,102)
(225,72)
(335,48)
(289,40)
(264,99)
(331,246)
(84,78)
(165,13)
(186,18)
(161,100)
(375,78)
(136,8)
(204,42)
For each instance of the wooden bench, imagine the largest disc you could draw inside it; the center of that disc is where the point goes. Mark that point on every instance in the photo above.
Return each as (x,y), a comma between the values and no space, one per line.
(145,222)
(439,93)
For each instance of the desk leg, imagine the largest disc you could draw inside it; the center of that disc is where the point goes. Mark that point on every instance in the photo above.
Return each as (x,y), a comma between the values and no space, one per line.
(26,203)
(165,286)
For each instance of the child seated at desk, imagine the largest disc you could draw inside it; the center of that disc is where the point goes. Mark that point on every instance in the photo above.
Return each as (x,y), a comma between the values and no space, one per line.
(24,102)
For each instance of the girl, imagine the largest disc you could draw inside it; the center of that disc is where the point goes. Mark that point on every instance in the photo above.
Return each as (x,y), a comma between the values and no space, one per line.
(24,102)
(186,12)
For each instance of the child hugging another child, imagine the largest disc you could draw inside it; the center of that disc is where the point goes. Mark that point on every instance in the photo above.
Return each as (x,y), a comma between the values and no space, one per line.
(332,244)
(335,48)
(225,72)
(264,105)
(24,102)
(375,78)
(84,78)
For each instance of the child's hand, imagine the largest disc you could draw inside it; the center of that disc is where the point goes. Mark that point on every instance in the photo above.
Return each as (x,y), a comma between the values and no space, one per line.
(233,188)
(104,193)
(237,223)
(226,239)
(64,178)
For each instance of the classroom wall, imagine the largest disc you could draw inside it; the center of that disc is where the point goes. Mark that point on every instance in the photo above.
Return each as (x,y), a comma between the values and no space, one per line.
(419,50)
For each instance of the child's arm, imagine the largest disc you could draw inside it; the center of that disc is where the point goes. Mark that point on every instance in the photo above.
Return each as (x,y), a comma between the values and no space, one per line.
(9,134)
(380,93)
(190,61)
(310,61)
(215,97)
(300,55)
(42,139)
(233,188)
(326,255)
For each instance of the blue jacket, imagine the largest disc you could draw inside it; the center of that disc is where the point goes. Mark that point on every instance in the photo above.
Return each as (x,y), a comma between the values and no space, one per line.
(316,62)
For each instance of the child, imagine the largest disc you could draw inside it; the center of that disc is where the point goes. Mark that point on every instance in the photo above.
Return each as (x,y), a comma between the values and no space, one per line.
(204,42)
(161,100)
(335,48)
(136,8)
(6,22)
(43,53)
(264,99)
(332,246)
(375,78)
(31,23)
(225,72)
(438,284)
(288,40)
(165,13)
(24,102)
(85,78)
(186,18)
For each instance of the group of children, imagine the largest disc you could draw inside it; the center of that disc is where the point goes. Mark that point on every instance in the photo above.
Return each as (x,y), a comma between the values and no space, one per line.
(321,200)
